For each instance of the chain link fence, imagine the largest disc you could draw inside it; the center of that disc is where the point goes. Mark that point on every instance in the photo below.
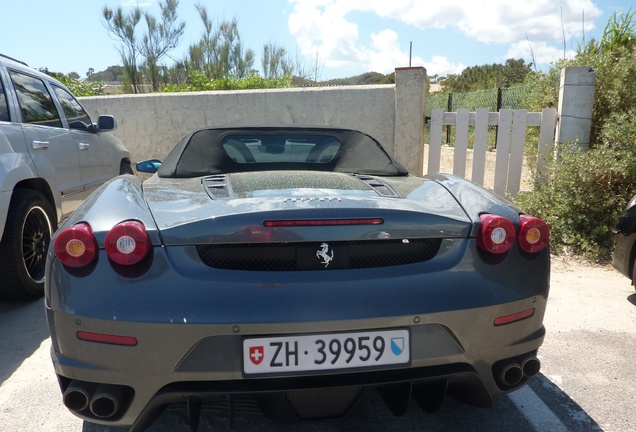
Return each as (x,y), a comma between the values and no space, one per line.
(494,99)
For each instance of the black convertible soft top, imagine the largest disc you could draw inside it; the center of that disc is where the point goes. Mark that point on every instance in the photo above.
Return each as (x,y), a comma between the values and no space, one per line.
(242,149)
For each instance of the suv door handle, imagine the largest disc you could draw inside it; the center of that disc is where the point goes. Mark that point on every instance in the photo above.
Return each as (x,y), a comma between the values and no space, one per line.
(39,145)
(84,146)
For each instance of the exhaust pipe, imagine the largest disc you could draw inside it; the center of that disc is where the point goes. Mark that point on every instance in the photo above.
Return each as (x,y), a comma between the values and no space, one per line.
(511,374)
(78,395)
(531,366)
(106,401)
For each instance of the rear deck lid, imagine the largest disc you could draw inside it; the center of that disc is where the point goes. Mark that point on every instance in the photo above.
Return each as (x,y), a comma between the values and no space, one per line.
(239,208)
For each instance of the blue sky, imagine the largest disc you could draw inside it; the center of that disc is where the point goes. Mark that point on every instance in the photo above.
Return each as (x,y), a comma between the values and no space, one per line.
(343,37)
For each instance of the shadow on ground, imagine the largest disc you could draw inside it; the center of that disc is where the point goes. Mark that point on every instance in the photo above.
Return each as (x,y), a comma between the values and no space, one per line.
(23,328)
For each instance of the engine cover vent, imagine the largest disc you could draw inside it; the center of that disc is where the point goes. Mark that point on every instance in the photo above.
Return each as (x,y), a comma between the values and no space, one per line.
(217,186)
(382,188)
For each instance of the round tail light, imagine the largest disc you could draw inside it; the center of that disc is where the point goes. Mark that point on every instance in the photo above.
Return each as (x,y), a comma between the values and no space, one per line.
(76,246)
(496,234)
(127,243)
(534,234)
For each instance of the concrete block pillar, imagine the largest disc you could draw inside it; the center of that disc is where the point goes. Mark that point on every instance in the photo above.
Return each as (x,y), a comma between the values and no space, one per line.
(410,102)
(576,100)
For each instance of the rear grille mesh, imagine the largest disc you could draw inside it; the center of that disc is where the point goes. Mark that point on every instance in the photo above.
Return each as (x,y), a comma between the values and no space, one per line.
(306,255)
(323,403)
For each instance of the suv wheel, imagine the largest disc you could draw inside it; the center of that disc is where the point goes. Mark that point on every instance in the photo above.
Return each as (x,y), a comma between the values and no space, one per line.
(27,234)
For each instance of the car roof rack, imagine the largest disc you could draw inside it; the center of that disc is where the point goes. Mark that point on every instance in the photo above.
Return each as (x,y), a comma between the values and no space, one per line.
(15,60)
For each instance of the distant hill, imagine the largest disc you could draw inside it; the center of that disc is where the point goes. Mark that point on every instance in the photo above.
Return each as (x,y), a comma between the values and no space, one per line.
(364,79)
(368,78)
(113,74)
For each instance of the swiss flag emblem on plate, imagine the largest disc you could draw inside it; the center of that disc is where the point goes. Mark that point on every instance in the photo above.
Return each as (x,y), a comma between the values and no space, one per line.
(257,353)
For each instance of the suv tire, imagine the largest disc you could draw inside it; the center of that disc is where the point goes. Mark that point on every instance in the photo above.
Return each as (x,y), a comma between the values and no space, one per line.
(30,224)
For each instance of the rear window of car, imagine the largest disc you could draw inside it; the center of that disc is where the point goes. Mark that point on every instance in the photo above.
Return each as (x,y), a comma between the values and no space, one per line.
(280,148)
(35,100)
(277,148)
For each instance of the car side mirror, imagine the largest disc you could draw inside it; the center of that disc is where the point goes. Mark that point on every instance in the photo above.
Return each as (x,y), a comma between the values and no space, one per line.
(148,166)
(106,123)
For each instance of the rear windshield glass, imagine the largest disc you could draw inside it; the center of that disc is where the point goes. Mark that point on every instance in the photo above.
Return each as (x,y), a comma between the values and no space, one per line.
(243,149)
(281,148)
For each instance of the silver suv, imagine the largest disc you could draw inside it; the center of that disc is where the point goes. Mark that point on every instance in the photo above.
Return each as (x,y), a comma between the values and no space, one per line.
(52,156)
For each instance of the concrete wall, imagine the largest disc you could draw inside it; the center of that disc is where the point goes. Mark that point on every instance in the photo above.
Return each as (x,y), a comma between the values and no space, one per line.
(410,107)
(576,102)
(151,124)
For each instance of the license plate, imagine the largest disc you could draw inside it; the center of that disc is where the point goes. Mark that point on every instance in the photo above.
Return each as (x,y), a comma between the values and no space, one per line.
(325,351)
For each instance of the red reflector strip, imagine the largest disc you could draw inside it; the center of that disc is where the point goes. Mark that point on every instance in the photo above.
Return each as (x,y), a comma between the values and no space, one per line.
(507,319)
(107,338)
(322,222)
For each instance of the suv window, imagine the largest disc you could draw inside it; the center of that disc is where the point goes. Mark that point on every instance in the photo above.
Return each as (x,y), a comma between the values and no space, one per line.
(75,114)
(35,100)
(4,109)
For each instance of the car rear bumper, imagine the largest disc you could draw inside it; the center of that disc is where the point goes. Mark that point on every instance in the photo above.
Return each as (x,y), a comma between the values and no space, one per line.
(189,323)
(174,361)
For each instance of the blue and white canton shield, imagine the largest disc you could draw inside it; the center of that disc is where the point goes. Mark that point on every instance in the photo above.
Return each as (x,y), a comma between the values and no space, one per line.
(397,345)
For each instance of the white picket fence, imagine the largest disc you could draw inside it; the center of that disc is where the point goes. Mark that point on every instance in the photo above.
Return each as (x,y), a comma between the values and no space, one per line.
(511,136)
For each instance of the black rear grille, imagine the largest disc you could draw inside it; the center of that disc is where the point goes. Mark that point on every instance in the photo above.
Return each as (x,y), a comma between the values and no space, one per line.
(323,402)
(306,255)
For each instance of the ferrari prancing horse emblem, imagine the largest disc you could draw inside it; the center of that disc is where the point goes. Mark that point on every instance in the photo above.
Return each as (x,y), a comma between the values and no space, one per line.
(323,254)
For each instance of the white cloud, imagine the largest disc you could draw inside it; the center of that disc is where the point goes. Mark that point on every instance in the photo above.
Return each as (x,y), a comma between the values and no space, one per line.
(440,66)
(543,53)
(324,26)
(492,21)
(386,54)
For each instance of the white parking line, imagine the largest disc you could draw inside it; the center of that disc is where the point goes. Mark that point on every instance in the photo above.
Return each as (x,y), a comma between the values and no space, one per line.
(535,411)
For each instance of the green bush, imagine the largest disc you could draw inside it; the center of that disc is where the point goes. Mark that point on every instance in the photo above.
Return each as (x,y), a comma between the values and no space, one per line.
(198,81)
(585,194)
(587,191)
(85,88)
(75,85)
(615,92)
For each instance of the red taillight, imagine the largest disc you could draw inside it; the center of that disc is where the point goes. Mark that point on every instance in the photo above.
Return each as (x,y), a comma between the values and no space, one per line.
(534,234)
(76,246)
(496,234)
(127,243)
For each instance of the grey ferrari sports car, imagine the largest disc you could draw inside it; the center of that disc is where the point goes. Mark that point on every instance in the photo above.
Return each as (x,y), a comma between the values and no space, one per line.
(298,266)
